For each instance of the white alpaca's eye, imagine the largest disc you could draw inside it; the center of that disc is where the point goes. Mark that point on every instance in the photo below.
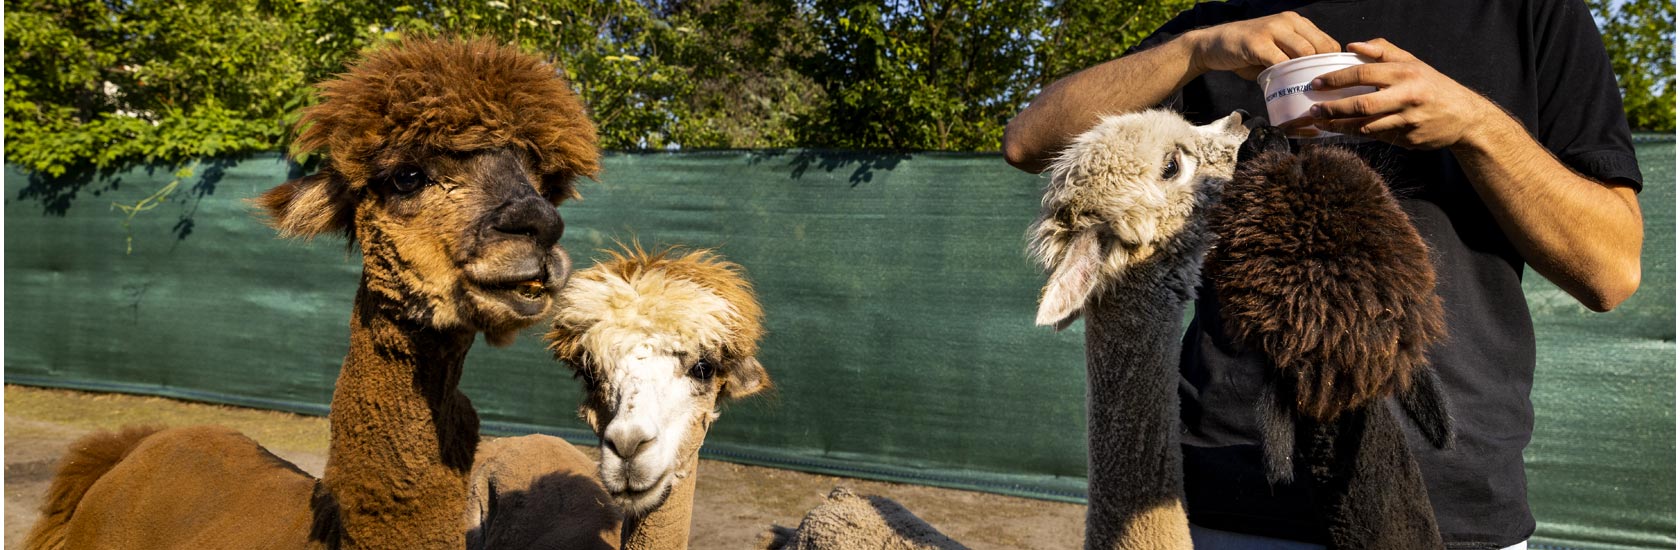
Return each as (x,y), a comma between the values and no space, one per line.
(1170,169)
(702,370)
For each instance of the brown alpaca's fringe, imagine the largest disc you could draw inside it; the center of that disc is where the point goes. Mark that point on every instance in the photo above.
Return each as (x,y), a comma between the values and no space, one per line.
(88,460)
(425,96)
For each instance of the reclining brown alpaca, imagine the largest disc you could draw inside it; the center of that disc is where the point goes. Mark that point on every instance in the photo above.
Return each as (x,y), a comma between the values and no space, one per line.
(1319,271)
(538,492)
(658,340)
(444,161)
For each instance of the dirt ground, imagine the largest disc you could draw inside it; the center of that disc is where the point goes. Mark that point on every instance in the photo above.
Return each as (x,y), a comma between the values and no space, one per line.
(734,508)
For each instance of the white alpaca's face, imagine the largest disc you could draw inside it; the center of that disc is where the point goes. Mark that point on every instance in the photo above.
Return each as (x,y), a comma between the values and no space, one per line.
(652,408)
(656,351)
(1118,193)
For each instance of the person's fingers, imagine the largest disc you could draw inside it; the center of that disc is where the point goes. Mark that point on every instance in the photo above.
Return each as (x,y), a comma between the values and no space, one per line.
(1381,50)
(1265,54)
(1383,125)
(1300,127)
(1321,42)
(1380,102)
(1349,126)
(1368,74)
(1294,45)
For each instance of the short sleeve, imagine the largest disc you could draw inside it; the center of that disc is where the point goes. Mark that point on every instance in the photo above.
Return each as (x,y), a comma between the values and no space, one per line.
(1201,15)
(1581,118)
(1186,20)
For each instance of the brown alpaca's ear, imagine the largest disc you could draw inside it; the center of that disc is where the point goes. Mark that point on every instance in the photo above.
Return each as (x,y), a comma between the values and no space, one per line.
(309,206)
(1072,283)
(747,377)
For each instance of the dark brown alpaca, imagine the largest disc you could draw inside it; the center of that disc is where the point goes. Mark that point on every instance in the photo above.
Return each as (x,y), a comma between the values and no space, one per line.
(444,161)
(1317,268)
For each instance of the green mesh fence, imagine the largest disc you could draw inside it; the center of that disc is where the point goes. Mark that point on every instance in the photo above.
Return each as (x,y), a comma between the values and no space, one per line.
(899,309)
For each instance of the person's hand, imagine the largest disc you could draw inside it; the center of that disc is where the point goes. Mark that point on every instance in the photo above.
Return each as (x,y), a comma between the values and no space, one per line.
(1248,47)
(1414,106)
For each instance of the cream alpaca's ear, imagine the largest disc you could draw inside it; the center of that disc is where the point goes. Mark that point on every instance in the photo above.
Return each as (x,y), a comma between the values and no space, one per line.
(309,206)
(746,378)
(1072,282)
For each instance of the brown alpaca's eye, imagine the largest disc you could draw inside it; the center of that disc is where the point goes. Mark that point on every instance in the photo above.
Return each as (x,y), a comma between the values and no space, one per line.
(702,370)
(1170,170)
(408,179)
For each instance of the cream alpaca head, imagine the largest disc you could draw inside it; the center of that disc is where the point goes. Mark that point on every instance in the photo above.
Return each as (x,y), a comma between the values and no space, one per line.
(658,340)
(1120,194)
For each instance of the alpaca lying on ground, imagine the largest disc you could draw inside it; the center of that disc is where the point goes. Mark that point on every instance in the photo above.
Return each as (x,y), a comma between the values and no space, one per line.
(452,203)
(1122,235)
(538,492)
(658,341)
(848,521)
(1318,270)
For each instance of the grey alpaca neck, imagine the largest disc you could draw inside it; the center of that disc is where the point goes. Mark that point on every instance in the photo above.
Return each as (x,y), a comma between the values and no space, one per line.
(1132,339)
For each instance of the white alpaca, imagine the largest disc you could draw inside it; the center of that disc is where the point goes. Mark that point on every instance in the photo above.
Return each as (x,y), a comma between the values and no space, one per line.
(1122,233)
(658,340)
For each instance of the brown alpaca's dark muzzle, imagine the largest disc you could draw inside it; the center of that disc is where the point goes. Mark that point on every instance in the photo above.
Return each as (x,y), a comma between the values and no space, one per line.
(516,265)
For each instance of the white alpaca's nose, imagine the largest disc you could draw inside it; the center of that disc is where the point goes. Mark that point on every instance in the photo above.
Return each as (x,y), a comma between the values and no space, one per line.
(625,439)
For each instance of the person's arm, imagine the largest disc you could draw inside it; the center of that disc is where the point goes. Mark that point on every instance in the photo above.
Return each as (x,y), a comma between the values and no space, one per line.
(1141,80)
(1583,235)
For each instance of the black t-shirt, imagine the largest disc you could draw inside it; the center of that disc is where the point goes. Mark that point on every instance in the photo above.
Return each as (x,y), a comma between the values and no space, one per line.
(1542,60)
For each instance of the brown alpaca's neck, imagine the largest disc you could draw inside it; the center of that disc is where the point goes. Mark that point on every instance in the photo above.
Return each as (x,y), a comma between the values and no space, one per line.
(403,436)
(666,528)
(1132,336)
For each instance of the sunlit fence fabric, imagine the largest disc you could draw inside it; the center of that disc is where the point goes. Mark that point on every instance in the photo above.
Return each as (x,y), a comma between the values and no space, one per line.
(899,307)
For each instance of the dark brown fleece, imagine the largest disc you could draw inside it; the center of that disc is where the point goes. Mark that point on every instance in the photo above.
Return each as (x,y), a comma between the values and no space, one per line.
(424,97)
(1317,268)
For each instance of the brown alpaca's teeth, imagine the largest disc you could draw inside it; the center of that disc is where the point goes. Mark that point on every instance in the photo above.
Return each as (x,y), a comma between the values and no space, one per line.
(530,289)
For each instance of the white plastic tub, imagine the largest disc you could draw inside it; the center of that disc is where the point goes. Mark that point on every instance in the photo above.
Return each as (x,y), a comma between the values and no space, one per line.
(1288,86)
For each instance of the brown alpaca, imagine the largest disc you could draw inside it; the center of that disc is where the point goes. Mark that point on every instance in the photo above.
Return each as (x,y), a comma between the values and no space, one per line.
(1327,278)
(444,161)
(538,492)
(658,340)
(1319,271)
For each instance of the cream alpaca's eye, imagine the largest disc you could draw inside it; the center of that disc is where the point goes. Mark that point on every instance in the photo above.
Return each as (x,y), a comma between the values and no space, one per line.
(1170,170)
(702,370)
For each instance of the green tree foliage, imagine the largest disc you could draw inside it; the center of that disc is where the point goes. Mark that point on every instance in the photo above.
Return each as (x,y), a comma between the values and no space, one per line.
(106,83)
(1082,33)
(97,83)
(743,58)
(923,74)
(1639,35)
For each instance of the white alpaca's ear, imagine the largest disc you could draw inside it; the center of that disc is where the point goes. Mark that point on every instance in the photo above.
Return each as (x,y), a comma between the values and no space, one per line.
(1232,124)
(745,378)
(1071,284)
